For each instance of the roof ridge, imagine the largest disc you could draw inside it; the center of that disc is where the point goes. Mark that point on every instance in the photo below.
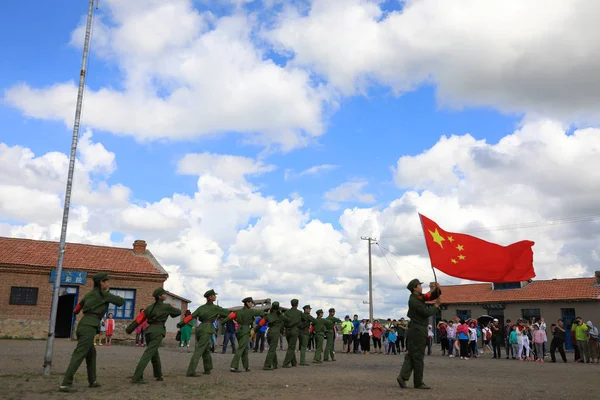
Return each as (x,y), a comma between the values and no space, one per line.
(71,243)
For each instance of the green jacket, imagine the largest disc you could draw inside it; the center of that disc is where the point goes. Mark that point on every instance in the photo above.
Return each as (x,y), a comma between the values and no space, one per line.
(207,314)
(94,306)
(580,331)
(245,318)
(276,320)
(294,318)
(307,319)
(333,320)
(320,325)
(418,311)
(157,314)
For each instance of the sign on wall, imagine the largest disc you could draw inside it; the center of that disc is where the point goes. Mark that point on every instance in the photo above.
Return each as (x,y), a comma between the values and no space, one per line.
(493,306)
(71,277)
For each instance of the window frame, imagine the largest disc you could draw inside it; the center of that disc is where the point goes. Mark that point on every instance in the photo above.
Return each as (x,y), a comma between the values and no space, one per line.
(10,298)
(129,304)
(531,316)
(506,285)
(464,315)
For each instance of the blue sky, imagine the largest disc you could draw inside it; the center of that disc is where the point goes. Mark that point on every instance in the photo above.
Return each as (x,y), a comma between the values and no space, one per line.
(367,87)
(364,137)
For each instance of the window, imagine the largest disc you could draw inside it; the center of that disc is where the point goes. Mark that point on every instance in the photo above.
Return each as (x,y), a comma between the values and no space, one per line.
(567,312)
(463,314)
(507,285)
(23,296)
(531,314)
(126,311)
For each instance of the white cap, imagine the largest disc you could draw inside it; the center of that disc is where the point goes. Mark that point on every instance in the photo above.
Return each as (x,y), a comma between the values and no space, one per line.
(495,319)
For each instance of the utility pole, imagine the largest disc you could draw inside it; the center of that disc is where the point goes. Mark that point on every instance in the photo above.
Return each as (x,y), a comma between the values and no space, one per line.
(371,242)
(65,218)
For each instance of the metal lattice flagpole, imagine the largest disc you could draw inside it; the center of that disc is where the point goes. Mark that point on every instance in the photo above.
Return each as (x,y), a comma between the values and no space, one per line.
(65,218)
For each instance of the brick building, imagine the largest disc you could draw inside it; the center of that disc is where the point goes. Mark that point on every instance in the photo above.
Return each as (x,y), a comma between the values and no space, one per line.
(550,299)
(27,270)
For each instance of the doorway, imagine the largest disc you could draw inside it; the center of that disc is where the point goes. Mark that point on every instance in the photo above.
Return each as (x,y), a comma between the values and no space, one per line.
(568,316)
(65,319)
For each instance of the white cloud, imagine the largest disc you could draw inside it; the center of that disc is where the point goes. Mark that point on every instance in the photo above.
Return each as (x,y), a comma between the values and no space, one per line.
(227,167)
(314,170)
(231,237)
(517,56)
(185,74)
(348,192)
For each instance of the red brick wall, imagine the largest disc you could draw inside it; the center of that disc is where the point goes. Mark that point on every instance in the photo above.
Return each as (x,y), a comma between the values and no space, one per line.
(21,314)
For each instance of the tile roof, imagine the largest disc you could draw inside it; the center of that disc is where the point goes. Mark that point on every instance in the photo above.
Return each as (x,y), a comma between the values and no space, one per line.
(39,253)
(549,290)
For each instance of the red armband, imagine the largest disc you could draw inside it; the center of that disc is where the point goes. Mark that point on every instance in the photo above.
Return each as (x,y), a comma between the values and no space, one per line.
(140,318)
(262,322)
(232,315)
(187,319)
(78,308)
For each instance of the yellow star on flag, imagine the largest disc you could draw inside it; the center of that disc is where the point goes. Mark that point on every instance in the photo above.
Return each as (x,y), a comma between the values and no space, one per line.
(454,261)
(460,247)
(450,239)
(437,238)
(461,257)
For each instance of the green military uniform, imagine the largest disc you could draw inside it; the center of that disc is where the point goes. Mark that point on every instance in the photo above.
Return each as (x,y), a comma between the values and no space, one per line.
(419,314)
(157,314)
(207,314)
(307,319)
(276,320)
(94,306)
(329,350)
(320,326)
(291,334)
(244,317)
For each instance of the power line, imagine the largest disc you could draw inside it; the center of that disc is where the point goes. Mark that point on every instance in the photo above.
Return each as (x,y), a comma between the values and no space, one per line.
(525,225)
(390,265)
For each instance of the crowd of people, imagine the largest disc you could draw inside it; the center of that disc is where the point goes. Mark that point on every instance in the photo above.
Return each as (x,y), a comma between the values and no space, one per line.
(248,327)
(522,340)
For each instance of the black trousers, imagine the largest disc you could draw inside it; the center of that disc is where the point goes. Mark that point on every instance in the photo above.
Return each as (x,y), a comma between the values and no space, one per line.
(365,342)
(260,337)
(355,342)
(496,341)
(557,344)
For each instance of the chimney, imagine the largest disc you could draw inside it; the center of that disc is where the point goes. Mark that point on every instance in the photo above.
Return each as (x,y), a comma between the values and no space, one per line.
(139,247)
(597,275)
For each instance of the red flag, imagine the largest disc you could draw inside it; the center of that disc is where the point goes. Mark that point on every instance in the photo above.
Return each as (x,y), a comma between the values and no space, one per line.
(467,257)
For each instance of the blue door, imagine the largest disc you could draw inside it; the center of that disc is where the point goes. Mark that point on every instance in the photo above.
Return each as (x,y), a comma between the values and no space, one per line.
(568,316)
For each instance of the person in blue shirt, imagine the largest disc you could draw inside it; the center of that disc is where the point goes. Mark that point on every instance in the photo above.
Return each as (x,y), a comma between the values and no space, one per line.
(229,336)
(392,341)
(355,336)
(260,336)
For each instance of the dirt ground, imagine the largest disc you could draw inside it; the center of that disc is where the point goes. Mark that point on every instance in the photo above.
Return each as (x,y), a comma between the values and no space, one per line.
(351,376)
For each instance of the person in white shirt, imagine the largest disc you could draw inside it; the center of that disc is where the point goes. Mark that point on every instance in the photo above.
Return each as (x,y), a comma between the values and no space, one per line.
(451,332)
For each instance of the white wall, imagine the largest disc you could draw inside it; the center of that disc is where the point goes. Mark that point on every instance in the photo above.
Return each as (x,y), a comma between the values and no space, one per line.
(171,324)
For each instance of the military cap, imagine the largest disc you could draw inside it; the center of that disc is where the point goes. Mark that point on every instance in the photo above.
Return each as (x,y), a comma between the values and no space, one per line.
(275,305)
(319,311)
(294,302)
(307,307)
(209,293)
(332,309)
(158,292)
(247,300)
(413,284)
(100,277)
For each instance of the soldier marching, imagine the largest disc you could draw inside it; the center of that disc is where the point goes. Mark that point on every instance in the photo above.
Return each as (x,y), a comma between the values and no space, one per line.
(296,324)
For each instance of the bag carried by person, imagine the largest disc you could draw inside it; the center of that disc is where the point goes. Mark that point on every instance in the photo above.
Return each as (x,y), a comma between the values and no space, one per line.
(178,335)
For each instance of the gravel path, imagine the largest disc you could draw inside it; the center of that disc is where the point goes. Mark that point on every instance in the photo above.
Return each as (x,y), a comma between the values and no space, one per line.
(351,376)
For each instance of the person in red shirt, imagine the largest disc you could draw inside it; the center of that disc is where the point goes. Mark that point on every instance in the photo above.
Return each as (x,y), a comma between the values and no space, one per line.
(110,328)
(377,332)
